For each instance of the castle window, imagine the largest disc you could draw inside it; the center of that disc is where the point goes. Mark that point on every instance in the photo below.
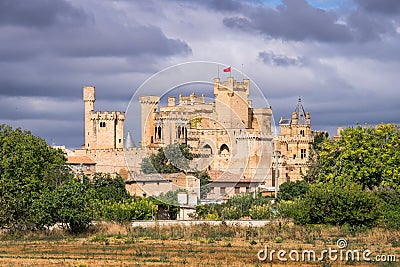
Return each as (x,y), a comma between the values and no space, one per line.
(119,140)
(303,153)
(102,124)
(224,149)
(302,132)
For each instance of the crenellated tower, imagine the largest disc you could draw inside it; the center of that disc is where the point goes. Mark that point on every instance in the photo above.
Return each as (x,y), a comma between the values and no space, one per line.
(103,130)
(149,105)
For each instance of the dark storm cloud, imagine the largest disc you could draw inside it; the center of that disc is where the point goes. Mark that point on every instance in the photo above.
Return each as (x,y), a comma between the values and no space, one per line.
(366,27)
(220,5)
(38,13)
(280,60)
(120,42)
(293,20)
(40,55)
(388,7)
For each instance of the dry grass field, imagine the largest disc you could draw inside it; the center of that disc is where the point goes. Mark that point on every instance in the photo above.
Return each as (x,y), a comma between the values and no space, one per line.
(202,245)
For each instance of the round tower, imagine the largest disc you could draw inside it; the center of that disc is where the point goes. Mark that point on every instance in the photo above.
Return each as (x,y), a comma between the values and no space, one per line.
(88,99)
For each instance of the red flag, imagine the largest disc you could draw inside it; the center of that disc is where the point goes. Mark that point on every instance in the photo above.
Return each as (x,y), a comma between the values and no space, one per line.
(227,69)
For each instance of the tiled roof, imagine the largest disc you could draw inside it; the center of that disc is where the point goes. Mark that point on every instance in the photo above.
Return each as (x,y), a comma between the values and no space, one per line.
(301,115)
(228,177)
(80,160)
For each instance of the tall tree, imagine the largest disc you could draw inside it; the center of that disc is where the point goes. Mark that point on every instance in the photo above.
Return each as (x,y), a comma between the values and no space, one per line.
(366,155)
(28,166)
(173,158)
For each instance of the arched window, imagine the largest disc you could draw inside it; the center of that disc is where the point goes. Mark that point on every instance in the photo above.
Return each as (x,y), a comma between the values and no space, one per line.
(224,149)
(207,146)
(159,132)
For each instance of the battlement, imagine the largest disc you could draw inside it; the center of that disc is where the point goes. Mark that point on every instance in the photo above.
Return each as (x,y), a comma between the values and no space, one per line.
(149,99)
(233,85)
(191,99)
(106,115)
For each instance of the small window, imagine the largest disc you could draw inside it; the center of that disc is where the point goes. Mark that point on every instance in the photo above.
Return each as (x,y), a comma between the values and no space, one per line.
(302,132)
(303,153)
(119,140)
(248,190)
(102,124)
(212,190)
(237,190)
(222,190)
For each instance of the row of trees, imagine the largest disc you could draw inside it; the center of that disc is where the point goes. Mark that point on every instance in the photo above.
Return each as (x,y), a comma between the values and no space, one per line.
(38,190)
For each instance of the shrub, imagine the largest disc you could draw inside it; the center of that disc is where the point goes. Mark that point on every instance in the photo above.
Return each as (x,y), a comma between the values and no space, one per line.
(262,212)
(129,210)
(230,213)
(292,190)
(337,205)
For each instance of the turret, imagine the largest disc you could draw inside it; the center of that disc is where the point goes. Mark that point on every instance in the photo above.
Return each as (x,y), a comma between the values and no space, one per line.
(88,99)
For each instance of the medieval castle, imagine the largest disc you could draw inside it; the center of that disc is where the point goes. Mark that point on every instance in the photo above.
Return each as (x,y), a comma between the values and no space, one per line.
(229,137)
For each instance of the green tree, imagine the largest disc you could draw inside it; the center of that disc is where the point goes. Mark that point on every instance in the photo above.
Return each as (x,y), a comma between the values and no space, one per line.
(109,188)
(292,190)
(368,156)
(28,167)
(312,172)
(173,158)
(74,202)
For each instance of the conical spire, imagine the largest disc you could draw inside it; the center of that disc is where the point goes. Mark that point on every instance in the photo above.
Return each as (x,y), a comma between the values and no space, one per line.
(128,142)
(301,115)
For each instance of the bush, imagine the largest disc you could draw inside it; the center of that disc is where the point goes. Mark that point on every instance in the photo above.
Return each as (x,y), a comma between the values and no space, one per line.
(260,212)
(230,213)
(129,210)
(292,190)
(390,208)
(337,205)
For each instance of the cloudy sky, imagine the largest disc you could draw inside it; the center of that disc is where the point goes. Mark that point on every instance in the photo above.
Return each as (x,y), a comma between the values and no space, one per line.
(341,56)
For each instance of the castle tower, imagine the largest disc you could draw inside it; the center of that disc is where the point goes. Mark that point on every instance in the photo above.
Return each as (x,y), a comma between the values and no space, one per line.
(149,105)
(103,130)
(88,99)
(231,102)
(294,143)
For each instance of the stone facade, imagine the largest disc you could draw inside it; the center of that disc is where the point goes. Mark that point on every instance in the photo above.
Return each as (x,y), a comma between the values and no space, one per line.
(225,134)
(292,147)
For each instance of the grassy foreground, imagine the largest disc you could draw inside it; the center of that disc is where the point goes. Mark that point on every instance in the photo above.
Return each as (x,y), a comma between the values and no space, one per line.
(202,245)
